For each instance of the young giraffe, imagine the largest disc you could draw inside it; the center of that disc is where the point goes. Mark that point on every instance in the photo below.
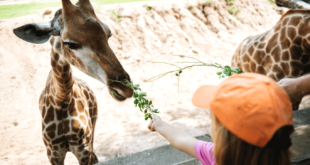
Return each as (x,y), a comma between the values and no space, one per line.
(68,106)
(283,51)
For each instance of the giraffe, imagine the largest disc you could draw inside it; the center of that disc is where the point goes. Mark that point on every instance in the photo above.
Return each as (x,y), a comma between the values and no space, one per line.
(68,106)
(281,52)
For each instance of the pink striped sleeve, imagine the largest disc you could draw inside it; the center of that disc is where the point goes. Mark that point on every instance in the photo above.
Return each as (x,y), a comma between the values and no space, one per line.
(203,151)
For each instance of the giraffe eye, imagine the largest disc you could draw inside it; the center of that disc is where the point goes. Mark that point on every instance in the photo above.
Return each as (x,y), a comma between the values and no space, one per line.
(72,46)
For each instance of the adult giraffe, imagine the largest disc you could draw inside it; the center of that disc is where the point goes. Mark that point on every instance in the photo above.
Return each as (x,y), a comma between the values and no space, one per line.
(68,106)
(281,52)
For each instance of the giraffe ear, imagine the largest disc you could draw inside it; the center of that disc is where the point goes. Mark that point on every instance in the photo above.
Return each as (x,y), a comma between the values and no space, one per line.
(37,33)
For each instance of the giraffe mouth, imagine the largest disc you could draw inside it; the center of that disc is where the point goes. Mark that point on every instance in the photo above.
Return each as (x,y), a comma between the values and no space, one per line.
(116,94)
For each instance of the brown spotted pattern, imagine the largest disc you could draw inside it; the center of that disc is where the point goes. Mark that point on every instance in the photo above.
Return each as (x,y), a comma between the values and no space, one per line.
(283,51)
(69,112)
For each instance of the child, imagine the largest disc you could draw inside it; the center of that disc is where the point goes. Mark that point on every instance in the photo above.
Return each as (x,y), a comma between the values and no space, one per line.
(251,123)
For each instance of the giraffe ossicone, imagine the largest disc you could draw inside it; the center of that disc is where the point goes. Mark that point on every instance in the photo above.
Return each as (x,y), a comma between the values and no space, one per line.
(68,106)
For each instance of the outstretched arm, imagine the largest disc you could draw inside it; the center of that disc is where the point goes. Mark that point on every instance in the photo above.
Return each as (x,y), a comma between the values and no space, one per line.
(296,88)
(178,138)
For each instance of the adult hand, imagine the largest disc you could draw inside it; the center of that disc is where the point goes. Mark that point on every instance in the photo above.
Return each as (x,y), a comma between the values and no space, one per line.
(291,86)
(154,123)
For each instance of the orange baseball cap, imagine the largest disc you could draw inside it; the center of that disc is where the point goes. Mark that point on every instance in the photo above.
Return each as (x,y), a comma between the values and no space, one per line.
(249,105)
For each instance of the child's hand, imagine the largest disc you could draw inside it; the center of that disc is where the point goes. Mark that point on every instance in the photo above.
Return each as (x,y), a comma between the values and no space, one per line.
(180,139)
(154,123)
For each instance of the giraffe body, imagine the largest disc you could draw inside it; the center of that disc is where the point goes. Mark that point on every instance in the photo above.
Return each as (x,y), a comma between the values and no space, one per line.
(68,123)
(281,52)
(67,105)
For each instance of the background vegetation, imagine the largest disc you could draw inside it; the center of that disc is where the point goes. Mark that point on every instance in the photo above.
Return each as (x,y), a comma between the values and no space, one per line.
(17,10)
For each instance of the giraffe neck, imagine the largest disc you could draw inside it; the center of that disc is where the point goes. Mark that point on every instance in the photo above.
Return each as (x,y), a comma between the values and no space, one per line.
(60,78)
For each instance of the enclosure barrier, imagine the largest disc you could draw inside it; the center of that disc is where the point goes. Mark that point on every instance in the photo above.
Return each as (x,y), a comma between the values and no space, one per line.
(168,155)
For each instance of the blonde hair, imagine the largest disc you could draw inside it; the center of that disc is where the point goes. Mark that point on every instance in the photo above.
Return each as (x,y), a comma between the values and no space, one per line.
(230,150)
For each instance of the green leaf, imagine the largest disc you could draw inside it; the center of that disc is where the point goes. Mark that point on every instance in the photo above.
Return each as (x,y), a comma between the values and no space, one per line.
(142,99)
(237,70)
(228,73)
(146,115)
(142,94)
(136,87)
(219,73)
(145,111)
(135,94)
(136,101)
(177,74)
(146,118)
(227,67)
(225,72)
(150,116)
(150,103)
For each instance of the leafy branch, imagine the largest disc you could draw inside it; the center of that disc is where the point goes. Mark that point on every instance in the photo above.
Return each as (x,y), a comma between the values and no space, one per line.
(145,105)
(227,70)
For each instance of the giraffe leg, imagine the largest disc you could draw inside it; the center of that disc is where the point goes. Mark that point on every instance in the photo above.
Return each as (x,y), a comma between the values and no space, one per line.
(84,155)
(56,155)
(93,158)
(84,151)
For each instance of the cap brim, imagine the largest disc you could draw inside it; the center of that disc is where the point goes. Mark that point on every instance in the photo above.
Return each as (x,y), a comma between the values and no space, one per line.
(204,95)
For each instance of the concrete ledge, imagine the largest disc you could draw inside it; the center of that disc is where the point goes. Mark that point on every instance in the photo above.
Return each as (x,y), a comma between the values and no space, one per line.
(301,141)
(301,136)
(192,161)
(301,117)
(163,155)
(168,155)
(303,160)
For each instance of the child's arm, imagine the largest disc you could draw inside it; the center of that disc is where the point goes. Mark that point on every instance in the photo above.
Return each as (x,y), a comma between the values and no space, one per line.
(178,138)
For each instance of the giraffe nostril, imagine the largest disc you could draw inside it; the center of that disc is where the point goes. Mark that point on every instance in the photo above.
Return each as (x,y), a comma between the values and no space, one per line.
(127,77)
(123,76)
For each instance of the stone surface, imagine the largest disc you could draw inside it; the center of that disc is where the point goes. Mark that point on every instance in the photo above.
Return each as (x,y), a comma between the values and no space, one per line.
(301,141)
(301,136)
(192,161)
(303,160)
(301,117)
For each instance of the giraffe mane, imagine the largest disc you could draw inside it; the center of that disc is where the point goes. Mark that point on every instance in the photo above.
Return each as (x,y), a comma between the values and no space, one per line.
(290,12)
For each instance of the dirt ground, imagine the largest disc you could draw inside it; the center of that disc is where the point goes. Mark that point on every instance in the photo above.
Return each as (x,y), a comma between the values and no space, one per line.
(207,32)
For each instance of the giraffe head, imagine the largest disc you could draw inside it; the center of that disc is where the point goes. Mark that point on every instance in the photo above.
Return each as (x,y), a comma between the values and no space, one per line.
(81,39)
